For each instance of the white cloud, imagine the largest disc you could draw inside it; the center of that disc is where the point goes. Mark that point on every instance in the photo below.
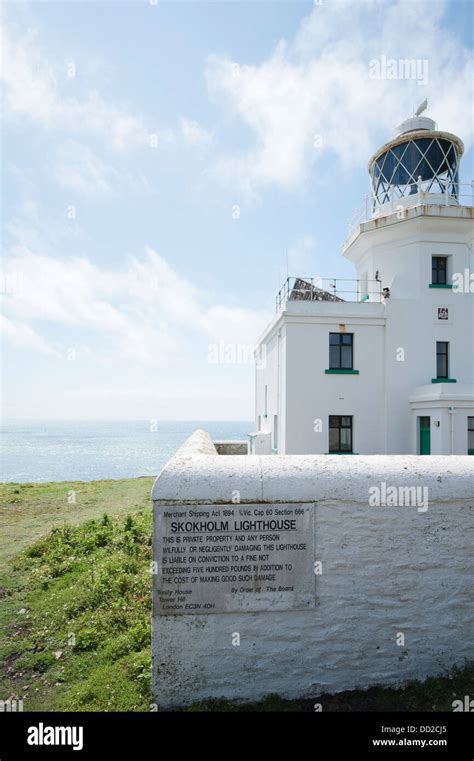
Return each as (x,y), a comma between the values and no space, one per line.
(301,257)
(79,168)
(314,94)
(194,134)
(22,336)
(34,89)
(32,228)
(37,89)
(146,313)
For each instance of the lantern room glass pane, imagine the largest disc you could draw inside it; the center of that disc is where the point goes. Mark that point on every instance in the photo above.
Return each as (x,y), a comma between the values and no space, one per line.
(396,172)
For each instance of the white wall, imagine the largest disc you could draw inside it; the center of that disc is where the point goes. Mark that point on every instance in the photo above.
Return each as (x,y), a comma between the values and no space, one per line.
(385,571)
(451,436)
(305,393)
(402,250)
(313,395)
(271,373)
(394,342)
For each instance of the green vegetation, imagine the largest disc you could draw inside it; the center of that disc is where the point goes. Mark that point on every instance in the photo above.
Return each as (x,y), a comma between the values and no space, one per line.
(78,636)
(29,510)
(75,609)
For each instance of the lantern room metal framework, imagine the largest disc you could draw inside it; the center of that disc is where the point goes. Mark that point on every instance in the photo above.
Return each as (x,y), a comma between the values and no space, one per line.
(419,159)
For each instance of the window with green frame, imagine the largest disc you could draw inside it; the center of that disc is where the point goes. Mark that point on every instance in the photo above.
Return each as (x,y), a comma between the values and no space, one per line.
(470,435)
(439,270)
(340,434)
(442,359)
(341,351)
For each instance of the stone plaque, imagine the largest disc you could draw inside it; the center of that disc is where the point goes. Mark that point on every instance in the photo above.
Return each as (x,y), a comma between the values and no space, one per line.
(229,558)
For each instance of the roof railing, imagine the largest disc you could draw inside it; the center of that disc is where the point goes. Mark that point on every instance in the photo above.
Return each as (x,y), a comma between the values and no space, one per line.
(396,198)
(329,290)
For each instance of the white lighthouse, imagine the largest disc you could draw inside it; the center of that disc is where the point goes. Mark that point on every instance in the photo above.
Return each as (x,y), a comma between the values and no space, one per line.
(384,363)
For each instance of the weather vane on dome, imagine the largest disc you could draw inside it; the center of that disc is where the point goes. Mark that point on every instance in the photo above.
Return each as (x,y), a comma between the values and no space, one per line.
(422,107)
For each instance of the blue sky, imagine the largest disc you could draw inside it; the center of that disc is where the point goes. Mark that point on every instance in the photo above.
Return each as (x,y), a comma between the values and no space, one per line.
(159,162)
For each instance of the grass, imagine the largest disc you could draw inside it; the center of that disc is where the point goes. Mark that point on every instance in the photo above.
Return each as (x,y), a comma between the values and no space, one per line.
(75,609)
(77,629)
(29,510)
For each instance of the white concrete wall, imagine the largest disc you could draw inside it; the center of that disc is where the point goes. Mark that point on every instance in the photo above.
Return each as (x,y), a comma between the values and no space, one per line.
(451,436)
(313,395)
(272,374)
(304,393)
(385,571)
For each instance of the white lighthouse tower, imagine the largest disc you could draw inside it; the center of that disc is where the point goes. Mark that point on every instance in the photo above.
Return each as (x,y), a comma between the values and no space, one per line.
(382,364)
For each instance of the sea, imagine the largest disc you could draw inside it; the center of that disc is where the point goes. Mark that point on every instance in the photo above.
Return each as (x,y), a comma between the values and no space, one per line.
(40,451)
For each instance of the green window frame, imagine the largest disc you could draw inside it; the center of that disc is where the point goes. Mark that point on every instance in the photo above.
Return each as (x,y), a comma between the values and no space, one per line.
(340,434)
(439,270)
(341,351)
(442,360)
(470,434)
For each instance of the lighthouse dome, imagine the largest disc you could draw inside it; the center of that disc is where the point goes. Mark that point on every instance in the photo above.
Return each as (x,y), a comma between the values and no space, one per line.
(419,158)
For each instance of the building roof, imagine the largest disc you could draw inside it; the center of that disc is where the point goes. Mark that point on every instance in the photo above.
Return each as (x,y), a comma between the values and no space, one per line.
(302,290)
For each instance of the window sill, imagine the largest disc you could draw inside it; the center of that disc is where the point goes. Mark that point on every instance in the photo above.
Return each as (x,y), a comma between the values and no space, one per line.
(441,285)
(341,372)
(443,380)
(341,453)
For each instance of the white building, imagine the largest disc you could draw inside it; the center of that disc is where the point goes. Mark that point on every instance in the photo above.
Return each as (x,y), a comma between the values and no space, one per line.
(383,364)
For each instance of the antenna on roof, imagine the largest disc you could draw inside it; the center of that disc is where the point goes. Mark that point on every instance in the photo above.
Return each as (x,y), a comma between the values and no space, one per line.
(422,107)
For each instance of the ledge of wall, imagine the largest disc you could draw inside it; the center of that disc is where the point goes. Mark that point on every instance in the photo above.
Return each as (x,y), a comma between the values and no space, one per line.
(197,473)
(231,447)
(385,571)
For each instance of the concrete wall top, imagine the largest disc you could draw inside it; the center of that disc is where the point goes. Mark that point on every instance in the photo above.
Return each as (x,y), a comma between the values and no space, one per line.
(359,309)
(231,447)
(452,213)
(440,391)
(197,474)
(324,310)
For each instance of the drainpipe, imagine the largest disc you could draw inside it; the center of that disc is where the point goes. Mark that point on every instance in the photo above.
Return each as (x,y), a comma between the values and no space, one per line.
(277,447)
(452,412)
